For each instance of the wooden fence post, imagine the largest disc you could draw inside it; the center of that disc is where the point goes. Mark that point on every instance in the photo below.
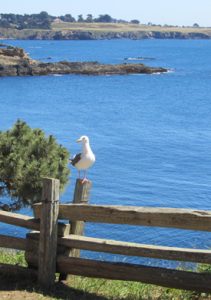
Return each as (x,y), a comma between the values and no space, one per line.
(48,233)
(81,195)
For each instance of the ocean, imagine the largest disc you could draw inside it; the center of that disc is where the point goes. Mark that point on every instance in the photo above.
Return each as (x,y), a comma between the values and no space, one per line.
(151,133)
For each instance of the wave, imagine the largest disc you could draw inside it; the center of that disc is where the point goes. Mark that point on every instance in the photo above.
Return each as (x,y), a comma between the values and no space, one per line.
(35,47)
(139,58)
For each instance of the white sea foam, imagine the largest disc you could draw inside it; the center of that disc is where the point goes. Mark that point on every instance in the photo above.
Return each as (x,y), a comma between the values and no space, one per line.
(35,47)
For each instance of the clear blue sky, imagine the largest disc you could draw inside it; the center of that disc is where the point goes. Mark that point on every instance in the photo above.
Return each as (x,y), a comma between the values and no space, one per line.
(175,12)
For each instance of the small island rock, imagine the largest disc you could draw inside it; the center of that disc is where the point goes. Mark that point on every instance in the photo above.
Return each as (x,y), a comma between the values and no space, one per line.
(15,62)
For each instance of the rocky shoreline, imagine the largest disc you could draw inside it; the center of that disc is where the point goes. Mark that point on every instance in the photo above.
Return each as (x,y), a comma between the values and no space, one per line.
(34,34)
(15,62)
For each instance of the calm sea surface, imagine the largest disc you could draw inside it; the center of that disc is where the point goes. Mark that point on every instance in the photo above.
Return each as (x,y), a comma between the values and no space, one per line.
(151,133)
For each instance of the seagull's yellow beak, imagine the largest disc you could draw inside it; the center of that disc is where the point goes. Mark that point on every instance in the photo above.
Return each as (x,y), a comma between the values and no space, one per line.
(78,140)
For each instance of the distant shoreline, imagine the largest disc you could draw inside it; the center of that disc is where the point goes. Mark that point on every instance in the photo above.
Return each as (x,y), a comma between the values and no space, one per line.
(103,31)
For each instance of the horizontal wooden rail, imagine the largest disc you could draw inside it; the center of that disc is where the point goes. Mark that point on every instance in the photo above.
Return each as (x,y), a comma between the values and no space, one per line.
(135,249)
(19,220)
(130,272)
(122,271)
(29,222)
(12,242)
(145,216)
(125,248)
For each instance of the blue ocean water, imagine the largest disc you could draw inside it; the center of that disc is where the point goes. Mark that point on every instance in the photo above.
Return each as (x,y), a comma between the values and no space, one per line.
(151,133)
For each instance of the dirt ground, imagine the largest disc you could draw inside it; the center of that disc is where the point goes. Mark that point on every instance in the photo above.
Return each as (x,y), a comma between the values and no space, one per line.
(23,288)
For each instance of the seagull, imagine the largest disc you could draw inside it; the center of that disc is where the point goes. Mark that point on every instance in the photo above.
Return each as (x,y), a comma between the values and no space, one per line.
(85,159)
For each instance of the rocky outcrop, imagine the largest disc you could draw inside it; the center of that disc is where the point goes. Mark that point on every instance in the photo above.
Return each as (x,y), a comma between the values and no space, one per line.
(12,51)
(15,62)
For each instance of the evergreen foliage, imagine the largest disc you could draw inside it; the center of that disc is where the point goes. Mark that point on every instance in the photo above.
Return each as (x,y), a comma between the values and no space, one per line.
(67,18)
(44,21)
(27,155)
(33,21)
(105,19)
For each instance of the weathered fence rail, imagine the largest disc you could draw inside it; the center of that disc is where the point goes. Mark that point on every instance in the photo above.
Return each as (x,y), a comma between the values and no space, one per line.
(19,220)
(55,247)
(135,249)
(130,215)
(12,242)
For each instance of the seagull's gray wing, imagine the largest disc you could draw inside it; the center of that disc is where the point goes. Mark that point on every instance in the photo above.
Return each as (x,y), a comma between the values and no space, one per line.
(75,159)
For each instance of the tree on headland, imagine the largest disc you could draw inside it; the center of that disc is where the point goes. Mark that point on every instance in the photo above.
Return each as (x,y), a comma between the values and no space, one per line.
(80,18)
(89,18)
(42,20)
(67,18)
(135,21)
(26,156)
(104,19)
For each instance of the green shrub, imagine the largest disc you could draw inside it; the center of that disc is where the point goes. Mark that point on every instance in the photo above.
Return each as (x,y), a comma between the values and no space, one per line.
(27,155)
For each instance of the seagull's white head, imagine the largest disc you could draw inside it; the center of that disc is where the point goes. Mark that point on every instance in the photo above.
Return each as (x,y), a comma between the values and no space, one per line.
(83,139)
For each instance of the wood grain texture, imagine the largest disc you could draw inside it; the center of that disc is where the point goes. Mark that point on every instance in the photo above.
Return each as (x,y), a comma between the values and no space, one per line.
(29,222)
(32,243)
(142,216)
(130,272)
(81,195)
(19,220)
(12,242)
(135,249)
(48,232)
(123,248)
(122,271)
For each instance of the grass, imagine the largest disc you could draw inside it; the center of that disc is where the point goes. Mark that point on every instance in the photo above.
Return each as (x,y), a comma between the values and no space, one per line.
(98,29)
(121,27)
(82,288)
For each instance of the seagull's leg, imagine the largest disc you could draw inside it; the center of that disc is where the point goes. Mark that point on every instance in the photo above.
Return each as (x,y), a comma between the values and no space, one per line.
(79,174)
(84,179)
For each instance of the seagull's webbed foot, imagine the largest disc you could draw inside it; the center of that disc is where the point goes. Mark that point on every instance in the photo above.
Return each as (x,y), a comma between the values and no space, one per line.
(84,180)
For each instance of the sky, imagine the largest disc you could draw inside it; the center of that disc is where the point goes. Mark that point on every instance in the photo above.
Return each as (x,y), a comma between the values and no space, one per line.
(171,12)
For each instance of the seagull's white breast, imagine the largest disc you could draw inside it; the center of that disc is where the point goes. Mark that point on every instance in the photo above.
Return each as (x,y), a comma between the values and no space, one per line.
(86,161)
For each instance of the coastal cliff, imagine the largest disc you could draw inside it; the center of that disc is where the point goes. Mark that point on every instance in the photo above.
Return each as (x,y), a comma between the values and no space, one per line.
(15,62)
(85,31)
(89,35)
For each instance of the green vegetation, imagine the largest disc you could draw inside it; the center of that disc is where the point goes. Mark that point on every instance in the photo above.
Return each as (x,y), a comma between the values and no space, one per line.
(85,288)
(27,155)
(43,20)
(43,26)
(12,257)
(46,27)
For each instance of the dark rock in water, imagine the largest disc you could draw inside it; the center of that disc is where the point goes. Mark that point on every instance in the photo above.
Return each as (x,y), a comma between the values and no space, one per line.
(15,62)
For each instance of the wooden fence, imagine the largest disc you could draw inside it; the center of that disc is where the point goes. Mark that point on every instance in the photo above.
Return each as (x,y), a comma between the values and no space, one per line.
(54,246)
